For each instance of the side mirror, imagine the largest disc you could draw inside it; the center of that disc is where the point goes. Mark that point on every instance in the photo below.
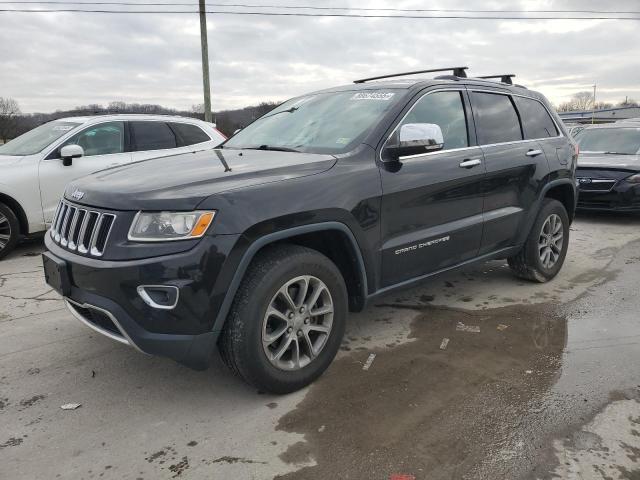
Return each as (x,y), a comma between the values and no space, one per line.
(69,152)
(414,139)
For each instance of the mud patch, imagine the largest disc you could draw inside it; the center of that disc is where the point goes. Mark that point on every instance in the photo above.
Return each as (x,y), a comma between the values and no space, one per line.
(428,412)
(178,468)
(12,442)
(232,460)
(29,402)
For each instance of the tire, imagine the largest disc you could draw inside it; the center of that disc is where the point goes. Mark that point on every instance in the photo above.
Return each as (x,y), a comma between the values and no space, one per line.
(530,263)
(246,344)
(9,230)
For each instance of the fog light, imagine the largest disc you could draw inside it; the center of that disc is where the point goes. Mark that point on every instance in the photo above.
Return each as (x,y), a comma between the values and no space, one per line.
(163,297)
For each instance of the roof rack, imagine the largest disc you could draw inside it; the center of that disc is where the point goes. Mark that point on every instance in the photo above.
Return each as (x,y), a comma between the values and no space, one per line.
(457,71)
(505,78)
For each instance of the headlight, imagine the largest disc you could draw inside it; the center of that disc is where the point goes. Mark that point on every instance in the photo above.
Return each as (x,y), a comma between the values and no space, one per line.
(165,226)
(633,178)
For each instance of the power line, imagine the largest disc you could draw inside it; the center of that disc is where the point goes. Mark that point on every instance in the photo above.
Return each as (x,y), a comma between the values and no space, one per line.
(303,14)
(313,7)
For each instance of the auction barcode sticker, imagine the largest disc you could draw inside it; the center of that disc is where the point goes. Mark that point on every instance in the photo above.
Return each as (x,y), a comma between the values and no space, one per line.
(373,96)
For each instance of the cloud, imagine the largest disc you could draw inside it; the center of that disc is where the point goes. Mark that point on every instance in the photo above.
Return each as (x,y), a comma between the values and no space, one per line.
(60,60)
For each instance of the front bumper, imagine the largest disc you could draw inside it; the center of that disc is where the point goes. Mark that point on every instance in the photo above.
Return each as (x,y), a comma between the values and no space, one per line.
(104,296)
(623,197)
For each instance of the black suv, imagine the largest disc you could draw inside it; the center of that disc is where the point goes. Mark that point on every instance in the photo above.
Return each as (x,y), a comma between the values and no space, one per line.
(262,245)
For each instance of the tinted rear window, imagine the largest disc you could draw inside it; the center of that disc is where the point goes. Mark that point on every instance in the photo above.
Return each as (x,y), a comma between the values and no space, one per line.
(152,136)
(496,118)
(189,134)
(536,121)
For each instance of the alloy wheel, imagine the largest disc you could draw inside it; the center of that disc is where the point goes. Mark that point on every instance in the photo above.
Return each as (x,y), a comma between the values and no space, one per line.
(551,241)
(297,323)
(5,231)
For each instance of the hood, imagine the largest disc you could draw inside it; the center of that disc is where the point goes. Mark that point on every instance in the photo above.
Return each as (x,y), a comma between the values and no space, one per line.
(602,161)
(9,159)
(181,182)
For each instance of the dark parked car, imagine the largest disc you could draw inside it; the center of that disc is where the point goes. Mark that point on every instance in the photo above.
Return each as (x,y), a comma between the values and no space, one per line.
(609,167)
(263,245)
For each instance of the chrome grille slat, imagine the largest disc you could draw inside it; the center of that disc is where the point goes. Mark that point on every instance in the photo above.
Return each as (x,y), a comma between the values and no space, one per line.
(68,223)
(59,220)
(55,218)
(81,229)
(74,228)
(94,235)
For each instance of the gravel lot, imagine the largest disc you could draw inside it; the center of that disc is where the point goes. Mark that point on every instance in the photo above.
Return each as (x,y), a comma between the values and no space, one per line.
(550,386)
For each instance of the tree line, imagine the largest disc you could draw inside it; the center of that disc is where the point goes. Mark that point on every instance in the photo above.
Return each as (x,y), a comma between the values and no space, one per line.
(584,101)
(14,123)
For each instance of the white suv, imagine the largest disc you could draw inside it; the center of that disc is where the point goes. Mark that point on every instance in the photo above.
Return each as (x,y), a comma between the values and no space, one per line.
(36,166)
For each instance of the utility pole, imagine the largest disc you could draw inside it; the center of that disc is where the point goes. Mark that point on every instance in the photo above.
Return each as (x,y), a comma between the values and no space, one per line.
(205,61)
(593,112)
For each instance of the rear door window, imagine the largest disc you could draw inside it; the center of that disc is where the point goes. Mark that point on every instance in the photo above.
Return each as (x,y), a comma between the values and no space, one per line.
(496,118)
(152,136)
(188,134)
(536,121)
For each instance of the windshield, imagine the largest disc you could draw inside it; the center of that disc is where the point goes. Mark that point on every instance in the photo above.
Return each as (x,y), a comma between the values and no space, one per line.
(624,141)
(37,139)
(320,123)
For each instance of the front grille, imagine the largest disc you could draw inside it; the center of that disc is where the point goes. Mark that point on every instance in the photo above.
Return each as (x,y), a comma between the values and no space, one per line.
(81,229)
(595,184)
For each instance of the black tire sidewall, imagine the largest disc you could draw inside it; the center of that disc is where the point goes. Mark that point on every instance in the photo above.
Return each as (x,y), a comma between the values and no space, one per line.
(15,230)
(256,364)
(533,258)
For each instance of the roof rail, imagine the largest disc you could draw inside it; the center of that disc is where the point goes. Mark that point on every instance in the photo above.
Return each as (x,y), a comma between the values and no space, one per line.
(505,78)
(457,71)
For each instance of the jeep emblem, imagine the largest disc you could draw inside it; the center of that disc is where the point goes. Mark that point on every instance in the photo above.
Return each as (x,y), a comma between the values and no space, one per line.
(77,194)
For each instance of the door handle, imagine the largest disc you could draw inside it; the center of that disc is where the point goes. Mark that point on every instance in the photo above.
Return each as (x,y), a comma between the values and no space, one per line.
(470,163)
(533,153)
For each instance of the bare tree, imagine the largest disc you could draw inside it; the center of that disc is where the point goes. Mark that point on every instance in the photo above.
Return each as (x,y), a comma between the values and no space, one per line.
(579,101)
(629,102)
(9,117)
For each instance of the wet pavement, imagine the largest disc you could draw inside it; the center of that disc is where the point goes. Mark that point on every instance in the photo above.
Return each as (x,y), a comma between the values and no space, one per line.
(549,387)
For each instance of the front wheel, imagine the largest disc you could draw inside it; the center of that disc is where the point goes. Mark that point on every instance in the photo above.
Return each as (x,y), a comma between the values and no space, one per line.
(544,251)
(287,320)
(9,230)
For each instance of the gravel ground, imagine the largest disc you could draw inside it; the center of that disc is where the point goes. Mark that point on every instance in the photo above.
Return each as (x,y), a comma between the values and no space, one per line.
(548,388)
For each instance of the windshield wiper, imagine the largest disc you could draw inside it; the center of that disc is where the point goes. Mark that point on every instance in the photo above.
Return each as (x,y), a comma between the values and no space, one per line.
(617,153)
(288,110)
(275,149)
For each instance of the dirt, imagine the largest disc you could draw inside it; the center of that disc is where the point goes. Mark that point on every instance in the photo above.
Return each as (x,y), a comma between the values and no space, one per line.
(431,413)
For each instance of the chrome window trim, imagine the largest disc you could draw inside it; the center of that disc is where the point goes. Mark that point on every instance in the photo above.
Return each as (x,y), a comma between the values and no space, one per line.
(425,154)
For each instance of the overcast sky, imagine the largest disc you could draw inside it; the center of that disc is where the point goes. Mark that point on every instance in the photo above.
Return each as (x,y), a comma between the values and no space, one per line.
(52,61)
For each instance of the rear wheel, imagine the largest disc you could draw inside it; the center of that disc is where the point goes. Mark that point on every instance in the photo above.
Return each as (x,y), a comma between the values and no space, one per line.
(9,230)
(543,254)
(287,320)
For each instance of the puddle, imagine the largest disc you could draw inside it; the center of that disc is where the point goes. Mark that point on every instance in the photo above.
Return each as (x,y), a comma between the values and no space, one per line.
(420,409)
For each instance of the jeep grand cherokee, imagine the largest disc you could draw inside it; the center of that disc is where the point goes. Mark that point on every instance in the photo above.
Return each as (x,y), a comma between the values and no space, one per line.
(263,245)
